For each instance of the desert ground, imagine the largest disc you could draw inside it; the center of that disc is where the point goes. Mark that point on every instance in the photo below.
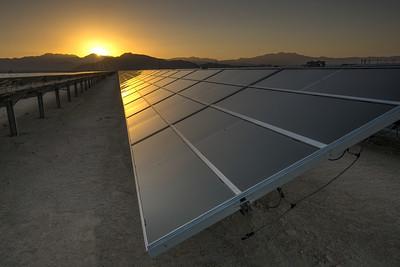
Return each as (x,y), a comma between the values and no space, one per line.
(67,198)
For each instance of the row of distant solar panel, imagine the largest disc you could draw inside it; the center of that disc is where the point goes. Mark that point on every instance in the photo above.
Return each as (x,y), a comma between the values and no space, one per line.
(202,138)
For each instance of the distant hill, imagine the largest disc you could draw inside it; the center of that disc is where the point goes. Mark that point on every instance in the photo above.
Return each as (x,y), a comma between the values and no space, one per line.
(271,59)
(129,61)
(285,59)
(47,63)
(61,62)
(197,60)
(55,62)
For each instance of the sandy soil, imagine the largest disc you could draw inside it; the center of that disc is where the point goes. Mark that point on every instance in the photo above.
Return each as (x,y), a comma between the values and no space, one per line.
(67,198)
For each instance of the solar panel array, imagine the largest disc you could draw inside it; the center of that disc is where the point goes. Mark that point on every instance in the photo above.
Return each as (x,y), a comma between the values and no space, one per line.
(204,142)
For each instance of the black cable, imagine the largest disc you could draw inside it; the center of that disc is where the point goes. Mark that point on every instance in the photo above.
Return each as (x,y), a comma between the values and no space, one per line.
(281,196)
(294,204)
(341,156)
(357,156)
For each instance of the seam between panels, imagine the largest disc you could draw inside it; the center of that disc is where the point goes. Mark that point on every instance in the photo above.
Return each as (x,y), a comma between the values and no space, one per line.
(202,157)
(193,113)
(343,97)
(183,77)
(276,129)
(304,88)
(197,82)
(190,72)
(279,130)
(275,71)
(160,87)
(243,87)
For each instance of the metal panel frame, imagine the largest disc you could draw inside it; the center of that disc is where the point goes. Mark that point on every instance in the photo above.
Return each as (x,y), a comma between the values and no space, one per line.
(269,183)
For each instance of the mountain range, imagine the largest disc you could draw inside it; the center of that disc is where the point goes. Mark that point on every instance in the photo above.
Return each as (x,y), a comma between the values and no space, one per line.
(129,61)
(61,62)
(291,59)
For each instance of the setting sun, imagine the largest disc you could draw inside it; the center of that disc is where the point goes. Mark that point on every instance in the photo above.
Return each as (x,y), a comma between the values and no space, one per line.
(98,46)
(101,51)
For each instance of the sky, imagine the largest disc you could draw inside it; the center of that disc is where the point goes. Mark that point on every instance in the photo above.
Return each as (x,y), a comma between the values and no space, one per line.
(203,28)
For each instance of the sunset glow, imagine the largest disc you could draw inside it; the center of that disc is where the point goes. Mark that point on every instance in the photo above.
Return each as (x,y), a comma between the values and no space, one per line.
(99,43)
(100,51)
(193,28)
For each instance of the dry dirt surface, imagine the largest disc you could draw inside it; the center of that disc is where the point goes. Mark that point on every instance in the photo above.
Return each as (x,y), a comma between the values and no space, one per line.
(67,198)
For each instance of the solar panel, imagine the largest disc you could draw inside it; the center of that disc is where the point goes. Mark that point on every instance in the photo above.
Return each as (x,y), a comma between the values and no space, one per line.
(295,79)
(367,83)
(157,96)
(239,149)
(144,124)
(147,90)
(153,79)
(181,73)
(240,77)
(179,85)
(196,188)
(308,115)
(176,108)
(135,107)
(131,97)
(169,73)
(209,92)
(363,83)
(201,74)
(204,142)
(164,81)
(161,72)
(140,86)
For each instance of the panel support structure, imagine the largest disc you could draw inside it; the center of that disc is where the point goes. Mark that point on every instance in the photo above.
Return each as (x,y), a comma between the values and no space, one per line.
(40,105)
(57,93)
(75,89)
(12,121)
(69,93)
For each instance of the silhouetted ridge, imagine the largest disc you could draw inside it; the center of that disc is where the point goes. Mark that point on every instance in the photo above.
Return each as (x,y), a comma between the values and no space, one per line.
(285,59)
(129,61)
(59,62)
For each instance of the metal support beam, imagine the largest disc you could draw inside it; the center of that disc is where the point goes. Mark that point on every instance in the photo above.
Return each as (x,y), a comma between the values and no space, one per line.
(75,89)
(86,85)
(40,105)
(12,121)
(69,93)
(81,85)
(57,92)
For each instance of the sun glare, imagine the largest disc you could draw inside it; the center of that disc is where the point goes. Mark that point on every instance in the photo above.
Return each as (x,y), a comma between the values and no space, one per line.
(100,51)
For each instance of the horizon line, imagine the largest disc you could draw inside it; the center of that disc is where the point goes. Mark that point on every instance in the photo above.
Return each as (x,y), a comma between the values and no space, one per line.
(195,57)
